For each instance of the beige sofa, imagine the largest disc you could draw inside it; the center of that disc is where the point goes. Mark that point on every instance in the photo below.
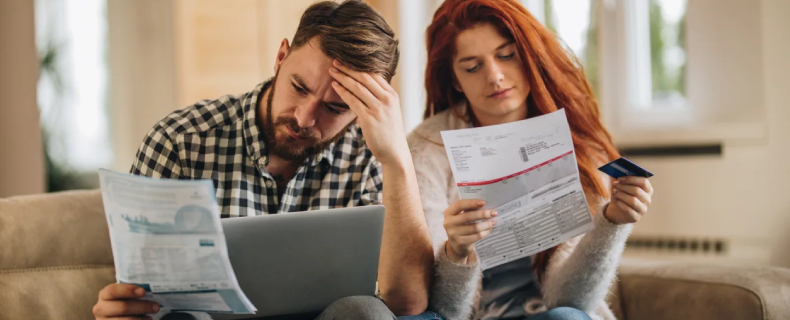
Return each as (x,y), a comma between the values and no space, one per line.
(55,256)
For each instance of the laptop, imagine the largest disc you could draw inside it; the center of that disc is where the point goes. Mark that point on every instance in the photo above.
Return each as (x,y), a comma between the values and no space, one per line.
(300,262)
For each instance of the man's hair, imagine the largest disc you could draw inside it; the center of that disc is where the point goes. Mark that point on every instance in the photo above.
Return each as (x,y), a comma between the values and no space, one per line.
(353,33)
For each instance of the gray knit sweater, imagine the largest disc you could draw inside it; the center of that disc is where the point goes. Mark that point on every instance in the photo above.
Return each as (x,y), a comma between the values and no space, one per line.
(578,275)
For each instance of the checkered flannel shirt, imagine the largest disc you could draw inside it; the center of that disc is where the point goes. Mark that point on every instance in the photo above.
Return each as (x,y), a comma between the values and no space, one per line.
(221,140)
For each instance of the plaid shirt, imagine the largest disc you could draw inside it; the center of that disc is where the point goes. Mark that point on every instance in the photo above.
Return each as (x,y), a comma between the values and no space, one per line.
(220,140)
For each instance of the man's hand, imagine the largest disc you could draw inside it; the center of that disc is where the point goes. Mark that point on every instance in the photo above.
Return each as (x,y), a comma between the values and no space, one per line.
(406,259)
(122,301)
(377,107)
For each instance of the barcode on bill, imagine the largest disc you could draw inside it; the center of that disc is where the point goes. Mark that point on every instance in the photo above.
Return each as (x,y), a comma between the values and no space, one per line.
(524,157)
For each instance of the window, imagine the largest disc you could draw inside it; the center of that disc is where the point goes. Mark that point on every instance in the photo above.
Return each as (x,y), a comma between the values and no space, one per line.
(656,48)
(636,55)
(667,19)
(71,40)
(678,71)
(643,66)
(640,73)
(655,53)
(576,24)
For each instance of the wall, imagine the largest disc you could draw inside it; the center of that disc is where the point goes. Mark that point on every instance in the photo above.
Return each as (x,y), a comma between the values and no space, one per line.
(142,72)
(21,148)
(166,55)
(229,47)
(743,195)
(773,185)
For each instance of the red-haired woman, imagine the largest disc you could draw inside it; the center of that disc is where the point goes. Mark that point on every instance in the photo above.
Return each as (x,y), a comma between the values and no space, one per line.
(490,62)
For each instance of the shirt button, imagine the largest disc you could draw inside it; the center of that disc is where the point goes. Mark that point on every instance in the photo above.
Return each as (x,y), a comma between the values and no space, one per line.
(269,183)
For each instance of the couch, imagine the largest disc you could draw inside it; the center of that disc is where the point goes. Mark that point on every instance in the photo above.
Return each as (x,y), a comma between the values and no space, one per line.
(55,256)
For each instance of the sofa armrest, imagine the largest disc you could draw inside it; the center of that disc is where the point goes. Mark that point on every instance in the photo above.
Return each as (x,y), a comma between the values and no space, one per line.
(54,230)
(55,255)
(665,290)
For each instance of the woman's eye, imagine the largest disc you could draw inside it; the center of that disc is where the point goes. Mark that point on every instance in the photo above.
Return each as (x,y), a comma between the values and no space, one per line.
(473,69)
(508,56)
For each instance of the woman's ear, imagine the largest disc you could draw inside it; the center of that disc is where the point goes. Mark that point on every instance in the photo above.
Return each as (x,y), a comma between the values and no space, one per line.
(456,85)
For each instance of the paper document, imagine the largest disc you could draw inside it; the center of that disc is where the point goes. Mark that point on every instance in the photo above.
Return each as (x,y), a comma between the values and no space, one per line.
(167,238)
(526,171)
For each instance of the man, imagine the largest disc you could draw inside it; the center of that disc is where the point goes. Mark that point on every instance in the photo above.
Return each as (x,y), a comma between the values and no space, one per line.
(296,143)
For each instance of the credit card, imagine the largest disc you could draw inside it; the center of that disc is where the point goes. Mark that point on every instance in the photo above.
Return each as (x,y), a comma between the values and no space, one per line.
(623,167)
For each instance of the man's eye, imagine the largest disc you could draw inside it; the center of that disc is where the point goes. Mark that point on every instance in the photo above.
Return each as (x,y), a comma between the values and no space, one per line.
(334,110)
(299,89)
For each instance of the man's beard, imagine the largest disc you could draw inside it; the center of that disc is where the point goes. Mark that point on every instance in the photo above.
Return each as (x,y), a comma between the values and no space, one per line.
(287,147)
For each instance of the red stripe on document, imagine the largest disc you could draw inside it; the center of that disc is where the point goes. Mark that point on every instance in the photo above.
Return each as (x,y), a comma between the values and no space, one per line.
(482,183)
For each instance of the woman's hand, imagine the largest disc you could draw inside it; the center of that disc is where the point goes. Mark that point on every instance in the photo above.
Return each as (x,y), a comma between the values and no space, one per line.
(631,196)
(377,107)
(465,224)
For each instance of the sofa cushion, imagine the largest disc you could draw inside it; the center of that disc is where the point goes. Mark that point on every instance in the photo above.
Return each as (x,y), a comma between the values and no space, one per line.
(654,290)
(51,230)
(55,255)
(52,293)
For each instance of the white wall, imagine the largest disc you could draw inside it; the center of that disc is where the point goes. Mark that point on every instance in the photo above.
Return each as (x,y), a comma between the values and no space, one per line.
(743,195)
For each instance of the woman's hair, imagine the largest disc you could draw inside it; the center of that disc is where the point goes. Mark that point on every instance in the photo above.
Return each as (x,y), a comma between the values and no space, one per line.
(555,78)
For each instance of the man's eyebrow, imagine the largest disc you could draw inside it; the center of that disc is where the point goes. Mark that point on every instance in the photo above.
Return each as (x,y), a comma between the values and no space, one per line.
(338,105)
(300,82)
(509,42)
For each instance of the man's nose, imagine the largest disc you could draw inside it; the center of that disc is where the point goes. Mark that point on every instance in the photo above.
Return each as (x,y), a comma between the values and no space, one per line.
(306,114)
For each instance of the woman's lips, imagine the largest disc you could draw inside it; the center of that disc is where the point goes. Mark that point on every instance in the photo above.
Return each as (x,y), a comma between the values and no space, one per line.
(500,93)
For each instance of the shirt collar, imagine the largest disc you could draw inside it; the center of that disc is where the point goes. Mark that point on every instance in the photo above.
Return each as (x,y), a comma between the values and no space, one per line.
(325,155)
(253,136)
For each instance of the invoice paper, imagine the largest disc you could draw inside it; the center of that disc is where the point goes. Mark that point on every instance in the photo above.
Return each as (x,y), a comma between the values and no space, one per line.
(526,171)
(167,238)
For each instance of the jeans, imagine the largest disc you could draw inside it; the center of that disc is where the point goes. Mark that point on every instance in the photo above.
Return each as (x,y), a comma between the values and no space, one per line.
(427,315)
(561,313)
(357,307)
(367,308)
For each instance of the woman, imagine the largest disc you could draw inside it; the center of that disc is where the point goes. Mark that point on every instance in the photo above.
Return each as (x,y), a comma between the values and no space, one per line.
(490,62)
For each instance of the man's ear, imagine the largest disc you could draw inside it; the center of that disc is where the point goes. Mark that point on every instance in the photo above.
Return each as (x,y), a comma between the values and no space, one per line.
(281,54)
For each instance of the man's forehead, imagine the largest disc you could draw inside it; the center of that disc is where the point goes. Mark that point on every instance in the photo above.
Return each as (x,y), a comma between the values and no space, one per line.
(315,84)
(311,52)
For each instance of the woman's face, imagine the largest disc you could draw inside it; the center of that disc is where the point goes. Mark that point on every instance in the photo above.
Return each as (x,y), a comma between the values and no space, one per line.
(488,71)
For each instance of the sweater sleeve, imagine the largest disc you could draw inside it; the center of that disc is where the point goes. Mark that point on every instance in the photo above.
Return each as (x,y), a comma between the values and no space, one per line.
(454,286)
(579,276)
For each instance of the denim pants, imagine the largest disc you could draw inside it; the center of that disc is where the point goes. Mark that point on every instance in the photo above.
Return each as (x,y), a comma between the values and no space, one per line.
(357,307)
(361,307)
(561,313)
